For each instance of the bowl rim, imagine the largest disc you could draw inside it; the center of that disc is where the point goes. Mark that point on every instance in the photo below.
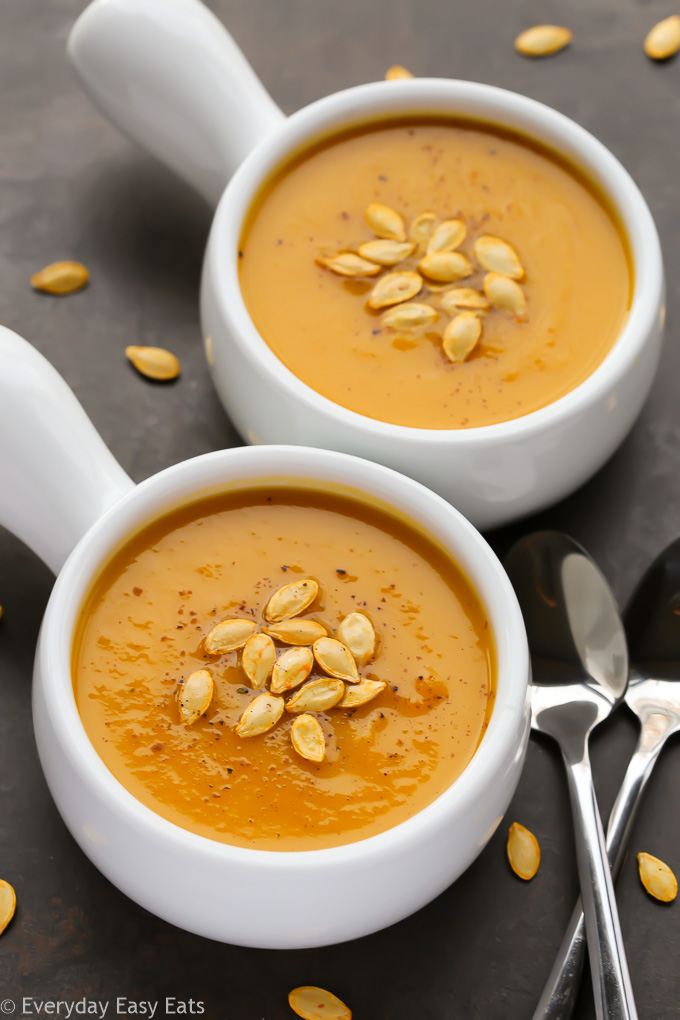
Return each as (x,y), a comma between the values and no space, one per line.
(488,103)
(506,734)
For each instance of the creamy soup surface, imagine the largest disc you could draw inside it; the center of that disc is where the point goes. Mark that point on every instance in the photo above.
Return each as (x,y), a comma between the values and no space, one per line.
(577,280)
(141,633)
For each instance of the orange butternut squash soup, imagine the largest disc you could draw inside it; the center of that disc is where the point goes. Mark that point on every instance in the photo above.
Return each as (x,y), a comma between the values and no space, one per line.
(435,273)
(283,669)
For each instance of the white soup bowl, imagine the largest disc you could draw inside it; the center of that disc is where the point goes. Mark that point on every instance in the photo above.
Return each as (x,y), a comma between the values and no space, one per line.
(64,494)
(169,75)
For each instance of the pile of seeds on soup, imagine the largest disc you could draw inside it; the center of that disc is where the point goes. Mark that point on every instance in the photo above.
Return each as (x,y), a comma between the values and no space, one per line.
(429,259)
(310,644)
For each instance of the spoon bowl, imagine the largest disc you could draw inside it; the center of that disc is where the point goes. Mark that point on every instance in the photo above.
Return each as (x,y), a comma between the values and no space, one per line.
(578,644)
(653,621)
(653,629)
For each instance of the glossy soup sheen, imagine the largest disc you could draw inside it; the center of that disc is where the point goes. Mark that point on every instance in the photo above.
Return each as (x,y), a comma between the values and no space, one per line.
(578,280)
(141,632)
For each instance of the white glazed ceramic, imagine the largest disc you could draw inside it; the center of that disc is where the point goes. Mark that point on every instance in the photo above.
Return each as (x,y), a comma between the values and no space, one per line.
(169,75)
(64,494)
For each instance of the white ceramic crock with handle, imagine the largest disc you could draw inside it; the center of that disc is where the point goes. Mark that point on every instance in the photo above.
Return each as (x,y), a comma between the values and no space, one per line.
(169,75)
(63,493)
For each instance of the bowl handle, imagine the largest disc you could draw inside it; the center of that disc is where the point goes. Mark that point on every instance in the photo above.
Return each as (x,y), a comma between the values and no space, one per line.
(57,477)
(170,76)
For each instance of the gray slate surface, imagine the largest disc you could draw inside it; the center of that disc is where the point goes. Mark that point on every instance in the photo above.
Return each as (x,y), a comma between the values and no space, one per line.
(71,187)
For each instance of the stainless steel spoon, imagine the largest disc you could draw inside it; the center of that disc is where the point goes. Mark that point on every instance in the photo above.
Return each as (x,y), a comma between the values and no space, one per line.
(653,627)
(580,672)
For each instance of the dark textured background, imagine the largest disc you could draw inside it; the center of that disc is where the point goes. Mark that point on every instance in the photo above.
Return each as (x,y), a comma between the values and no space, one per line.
(71,187)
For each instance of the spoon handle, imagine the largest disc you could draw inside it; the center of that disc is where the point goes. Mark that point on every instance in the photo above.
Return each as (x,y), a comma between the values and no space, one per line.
(612,988)
(559,995)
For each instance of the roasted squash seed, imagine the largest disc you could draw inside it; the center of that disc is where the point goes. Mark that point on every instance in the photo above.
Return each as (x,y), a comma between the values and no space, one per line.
(317,1004)
(421,227)
(445,266)
(154,362)
(291,600)
(461,336)
(543,40)
(358,633)
(8,904)
(60,278)
(316,696)
(261,715)
(335,658)
(657,878)
(257,658)
(524,853)
(396,72)
(504,293)
(361,693)
(386,253)
(663,41)
(307,738)
(349,264)
(385,222)
(459,299)
(291,669)
(448,236)
(228,635)
(296,632)
(194,696)
(497,256)
(409,315)
(394,288)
